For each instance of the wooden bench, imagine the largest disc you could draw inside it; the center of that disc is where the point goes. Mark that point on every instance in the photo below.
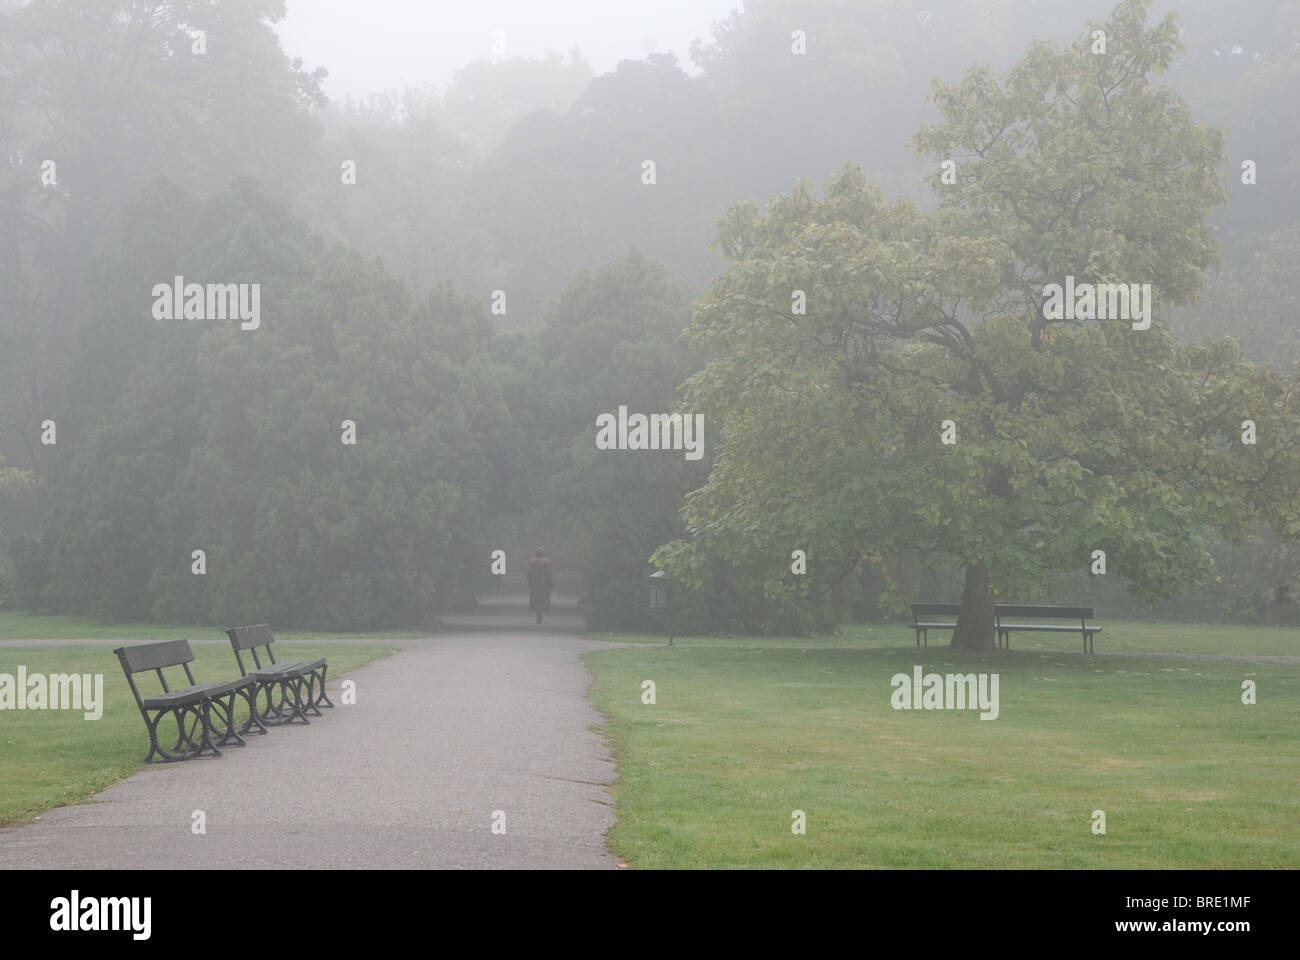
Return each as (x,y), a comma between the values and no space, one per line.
(301,685)
(1005,628)
(195,703)
(924,620)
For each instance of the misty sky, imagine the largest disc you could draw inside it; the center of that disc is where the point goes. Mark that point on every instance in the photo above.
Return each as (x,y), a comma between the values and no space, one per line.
(374,45)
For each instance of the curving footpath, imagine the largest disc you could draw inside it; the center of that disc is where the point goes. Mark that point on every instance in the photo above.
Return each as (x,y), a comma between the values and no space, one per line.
(490,716)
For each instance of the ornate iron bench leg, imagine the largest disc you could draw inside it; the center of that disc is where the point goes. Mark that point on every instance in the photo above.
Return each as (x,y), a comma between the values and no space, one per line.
(249,695)
(307,690)
(274,708)
(275,712)
(182,744)
(203,713)
(200,723)
(302,696)
(184,747)
(225,712)
(321,698)
(154,746)
(295,712)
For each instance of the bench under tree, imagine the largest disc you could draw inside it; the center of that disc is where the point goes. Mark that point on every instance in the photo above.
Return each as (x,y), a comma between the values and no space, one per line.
(926,616)
(1005,627)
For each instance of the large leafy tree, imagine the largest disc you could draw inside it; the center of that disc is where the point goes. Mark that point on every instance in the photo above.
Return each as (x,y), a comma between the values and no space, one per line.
(1071,436)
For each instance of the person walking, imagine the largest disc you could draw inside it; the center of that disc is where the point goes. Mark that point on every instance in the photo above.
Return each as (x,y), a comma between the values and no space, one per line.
(540,583)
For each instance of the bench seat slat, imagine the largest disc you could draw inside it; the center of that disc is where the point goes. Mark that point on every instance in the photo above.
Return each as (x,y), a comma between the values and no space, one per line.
(277,669)
(274,670)
(177,698)
(309,664)
(196,693)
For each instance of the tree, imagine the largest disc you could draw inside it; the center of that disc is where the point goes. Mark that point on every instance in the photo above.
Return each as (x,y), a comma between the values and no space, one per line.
(1255,303)
(486,98)
(611,338)
(562,191)
(1071,436)
(199,435)
(412,179)
(114,95)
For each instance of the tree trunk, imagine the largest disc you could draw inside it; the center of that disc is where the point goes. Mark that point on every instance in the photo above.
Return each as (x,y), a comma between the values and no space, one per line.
(975,622)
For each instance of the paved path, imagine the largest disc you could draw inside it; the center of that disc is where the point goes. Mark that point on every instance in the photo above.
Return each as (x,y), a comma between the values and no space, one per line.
(491,715)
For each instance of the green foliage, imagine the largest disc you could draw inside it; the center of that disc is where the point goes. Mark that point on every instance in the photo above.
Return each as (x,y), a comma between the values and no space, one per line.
(407,205)
(12,484)
(230,441)
(1071,437)
(524,175)
(611,338)
(486,98)
(1255,302)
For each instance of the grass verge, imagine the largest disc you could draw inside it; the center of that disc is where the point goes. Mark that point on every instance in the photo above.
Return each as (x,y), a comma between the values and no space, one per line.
(745,732)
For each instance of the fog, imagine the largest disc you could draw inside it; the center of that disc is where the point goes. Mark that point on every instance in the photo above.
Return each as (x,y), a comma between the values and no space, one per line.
(391,44)
(347,296)
(621,427)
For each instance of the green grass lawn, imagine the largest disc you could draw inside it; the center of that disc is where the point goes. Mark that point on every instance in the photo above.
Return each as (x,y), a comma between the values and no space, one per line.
(53,757)
(744,732)
(1132,636)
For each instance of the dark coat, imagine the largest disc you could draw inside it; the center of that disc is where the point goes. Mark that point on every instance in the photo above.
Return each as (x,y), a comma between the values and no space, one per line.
(540,584)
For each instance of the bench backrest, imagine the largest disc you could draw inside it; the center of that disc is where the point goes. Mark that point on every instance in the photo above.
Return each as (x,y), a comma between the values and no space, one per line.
(250,638)
(1040,610)
(155,656)
(1000,610)
(935,609)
